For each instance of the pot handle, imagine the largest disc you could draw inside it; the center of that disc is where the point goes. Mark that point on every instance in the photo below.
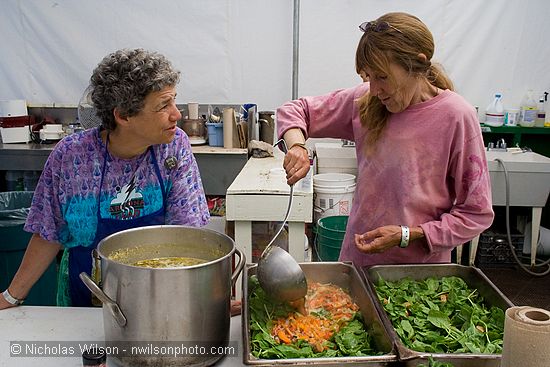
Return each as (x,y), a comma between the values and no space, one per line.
(107,301)
(239,267)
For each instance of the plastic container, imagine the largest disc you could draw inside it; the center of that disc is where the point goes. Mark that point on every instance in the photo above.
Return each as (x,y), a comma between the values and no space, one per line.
(494,114)
(329,236)
(215,134)
(14,208)
(528,110)
(541,113)
(333,194)
(511,116)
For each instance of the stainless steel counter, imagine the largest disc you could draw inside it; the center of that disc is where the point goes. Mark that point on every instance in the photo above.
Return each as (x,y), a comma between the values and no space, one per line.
(218,166)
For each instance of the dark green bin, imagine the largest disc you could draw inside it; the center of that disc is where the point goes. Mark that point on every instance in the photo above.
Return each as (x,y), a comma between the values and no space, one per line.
(14,207)
(330,233)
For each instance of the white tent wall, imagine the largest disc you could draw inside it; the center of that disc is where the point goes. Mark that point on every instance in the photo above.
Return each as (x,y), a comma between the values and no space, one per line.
(241,51)
(486,46)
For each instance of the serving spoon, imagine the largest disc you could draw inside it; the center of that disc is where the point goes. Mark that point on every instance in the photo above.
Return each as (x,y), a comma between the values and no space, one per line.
(279,274)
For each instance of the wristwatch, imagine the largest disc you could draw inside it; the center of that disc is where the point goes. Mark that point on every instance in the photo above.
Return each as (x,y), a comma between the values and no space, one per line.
(405,235)
(12,300)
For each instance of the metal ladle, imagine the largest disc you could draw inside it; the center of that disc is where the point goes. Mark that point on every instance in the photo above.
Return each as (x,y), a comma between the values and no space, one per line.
(279,274)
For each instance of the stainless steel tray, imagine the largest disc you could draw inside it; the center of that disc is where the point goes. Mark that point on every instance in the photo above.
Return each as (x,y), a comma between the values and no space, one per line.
(472,276)
(344,275)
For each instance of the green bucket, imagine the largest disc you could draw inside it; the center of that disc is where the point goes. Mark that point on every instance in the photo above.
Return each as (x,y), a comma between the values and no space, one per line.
(330,234)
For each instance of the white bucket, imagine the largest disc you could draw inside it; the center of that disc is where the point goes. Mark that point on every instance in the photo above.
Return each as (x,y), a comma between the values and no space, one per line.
(333,194)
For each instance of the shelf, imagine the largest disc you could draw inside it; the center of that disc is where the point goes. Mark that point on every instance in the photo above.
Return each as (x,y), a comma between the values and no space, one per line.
(535,138)
(515,130)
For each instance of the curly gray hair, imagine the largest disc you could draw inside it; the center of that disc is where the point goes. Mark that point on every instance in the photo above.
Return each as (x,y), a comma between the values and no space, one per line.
(124,78)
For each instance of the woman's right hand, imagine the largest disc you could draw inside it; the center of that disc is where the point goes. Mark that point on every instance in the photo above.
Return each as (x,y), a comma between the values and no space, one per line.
(296,164)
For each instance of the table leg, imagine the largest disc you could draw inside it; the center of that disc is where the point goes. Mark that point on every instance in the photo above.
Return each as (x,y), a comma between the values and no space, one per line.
(535,228)
(243,241)
(459,254)
(296,240)
(473,249)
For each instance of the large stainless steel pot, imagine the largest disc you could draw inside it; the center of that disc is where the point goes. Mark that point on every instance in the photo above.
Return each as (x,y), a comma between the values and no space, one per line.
(183,307)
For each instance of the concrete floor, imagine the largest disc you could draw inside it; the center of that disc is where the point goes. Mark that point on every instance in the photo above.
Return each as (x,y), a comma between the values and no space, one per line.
(522,289)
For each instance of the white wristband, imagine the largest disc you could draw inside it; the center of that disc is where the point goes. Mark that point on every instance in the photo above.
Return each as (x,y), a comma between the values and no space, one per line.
(10,299)
(405,233)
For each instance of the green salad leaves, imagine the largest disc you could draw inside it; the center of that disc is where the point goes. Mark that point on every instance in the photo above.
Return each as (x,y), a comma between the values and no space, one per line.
(442,316)
(351,340)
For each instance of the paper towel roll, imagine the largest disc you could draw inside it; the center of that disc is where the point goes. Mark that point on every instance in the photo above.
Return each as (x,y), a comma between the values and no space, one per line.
(193,108)
(526,337)
(228,126)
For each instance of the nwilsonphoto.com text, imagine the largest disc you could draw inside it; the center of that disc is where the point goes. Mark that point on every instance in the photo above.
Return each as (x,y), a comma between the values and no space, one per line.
(121,349)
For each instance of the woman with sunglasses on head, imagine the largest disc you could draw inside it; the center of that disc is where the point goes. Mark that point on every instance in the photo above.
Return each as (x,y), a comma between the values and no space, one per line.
(423,186)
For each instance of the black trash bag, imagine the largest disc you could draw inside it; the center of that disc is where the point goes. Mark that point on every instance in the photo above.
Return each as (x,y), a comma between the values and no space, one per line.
(14,207)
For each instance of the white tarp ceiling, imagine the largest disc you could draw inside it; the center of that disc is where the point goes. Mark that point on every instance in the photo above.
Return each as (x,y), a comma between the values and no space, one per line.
(241,51)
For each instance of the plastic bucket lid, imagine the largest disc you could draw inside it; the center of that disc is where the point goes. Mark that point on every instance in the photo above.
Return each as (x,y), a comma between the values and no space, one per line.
(333,179)
(334,189)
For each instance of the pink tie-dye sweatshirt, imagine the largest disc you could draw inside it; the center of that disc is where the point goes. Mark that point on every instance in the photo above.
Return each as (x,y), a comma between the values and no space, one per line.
(429,170)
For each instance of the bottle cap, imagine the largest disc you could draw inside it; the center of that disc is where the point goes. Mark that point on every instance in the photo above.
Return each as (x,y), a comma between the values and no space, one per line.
(94,357)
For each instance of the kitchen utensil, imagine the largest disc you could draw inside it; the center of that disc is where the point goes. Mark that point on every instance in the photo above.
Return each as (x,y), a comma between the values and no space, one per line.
(253,124)
(186,305)
(195,130)
(278,273)
(267,126)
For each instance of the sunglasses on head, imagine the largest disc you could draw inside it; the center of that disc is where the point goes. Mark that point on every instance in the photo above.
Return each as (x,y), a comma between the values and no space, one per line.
(377,26)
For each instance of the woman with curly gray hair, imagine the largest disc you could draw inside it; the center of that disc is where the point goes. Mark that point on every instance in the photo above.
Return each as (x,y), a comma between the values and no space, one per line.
(136,169)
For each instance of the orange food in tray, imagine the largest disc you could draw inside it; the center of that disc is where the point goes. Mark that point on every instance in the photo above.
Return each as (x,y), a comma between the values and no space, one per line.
(328,308)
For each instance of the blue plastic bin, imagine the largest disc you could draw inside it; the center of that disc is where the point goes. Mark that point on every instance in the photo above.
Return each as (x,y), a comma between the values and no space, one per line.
(215,134)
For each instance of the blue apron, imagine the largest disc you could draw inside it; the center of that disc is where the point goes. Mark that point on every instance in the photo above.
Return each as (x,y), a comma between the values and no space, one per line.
(80,257)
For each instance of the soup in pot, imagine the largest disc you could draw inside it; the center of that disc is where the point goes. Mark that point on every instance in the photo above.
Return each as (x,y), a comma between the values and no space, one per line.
(152,257)
(169,262)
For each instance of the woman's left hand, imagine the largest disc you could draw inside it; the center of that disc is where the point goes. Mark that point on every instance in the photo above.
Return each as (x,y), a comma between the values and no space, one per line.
(379,239)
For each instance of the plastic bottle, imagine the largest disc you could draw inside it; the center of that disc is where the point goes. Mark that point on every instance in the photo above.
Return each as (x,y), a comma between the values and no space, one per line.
(528,110)
(494,114)
(511,116)
(541,113)
(547,109)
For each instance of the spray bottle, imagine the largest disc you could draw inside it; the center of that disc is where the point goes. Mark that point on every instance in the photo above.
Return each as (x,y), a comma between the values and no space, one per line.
(541,112)
(547,110)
